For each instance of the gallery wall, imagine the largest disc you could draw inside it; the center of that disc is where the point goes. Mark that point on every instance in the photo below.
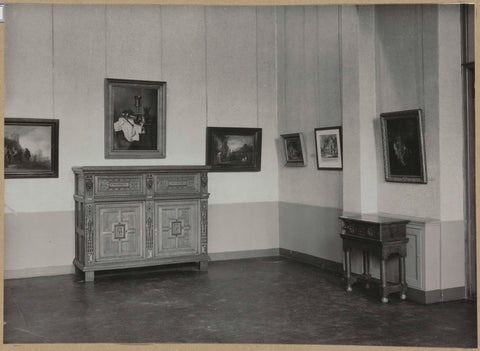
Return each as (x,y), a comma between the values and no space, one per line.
(219,65)
(309,97)
(283,69)
(373,59)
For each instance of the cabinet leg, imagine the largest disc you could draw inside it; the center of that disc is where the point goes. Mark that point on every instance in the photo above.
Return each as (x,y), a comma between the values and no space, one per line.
(89,276)
(383,278)
(203,266)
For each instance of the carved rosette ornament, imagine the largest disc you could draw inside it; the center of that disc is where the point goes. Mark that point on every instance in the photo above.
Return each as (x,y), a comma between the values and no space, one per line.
(89,185)
(204,225)
(204,181)
(149,181)
(89,233)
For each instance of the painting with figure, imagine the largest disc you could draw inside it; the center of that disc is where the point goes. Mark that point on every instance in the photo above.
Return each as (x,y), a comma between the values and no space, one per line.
(328,143)
(403,146)
(234,149)
(30,148)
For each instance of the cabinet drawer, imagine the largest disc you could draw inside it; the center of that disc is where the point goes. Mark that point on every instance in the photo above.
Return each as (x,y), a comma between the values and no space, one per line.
(119,185)
(177,183)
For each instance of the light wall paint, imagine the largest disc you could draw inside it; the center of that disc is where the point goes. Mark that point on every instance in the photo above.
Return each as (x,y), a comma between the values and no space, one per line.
(309,97)
(284,69)
(219,65)
(407,78)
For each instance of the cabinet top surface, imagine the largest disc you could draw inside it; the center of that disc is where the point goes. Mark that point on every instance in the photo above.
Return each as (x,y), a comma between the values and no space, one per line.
(113,169)
(374,218)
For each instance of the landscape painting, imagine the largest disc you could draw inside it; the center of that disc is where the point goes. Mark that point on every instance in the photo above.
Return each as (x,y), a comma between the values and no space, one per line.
(234,149)
(31,148)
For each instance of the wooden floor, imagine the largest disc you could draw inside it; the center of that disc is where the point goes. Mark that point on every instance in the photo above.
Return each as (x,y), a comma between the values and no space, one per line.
(270,300)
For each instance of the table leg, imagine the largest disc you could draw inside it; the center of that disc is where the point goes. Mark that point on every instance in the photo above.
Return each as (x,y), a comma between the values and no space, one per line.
(403,280)
(348,269)
(366,267)
(383,278)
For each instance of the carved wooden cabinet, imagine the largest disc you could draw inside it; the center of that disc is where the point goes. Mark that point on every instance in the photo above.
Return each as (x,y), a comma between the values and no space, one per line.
(140,216)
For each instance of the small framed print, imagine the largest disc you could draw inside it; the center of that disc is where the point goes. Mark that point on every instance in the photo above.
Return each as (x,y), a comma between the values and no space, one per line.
(294,148)
(328,144)
(135,117)
(403,147)
(234,149)
(31,148)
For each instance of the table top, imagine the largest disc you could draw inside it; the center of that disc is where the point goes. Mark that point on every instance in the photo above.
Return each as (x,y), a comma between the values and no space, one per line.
(374,218)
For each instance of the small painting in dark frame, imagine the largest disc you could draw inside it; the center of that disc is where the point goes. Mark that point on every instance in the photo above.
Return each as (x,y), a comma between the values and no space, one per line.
(328,144)
(135,118)
(404,146)
(234,149)
(31,148)
(294,148)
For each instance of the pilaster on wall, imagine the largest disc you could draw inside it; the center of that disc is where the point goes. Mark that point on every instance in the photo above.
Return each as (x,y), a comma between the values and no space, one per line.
(359,109)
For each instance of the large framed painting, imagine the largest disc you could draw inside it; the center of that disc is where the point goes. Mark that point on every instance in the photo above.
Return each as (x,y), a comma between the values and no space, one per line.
(328,144)
(294,149)
(31,148)
(234,149)
(403,146)
(135,117)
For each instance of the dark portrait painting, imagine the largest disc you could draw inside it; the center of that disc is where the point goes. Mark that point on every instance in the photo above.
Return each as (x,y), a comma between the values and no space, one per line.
(404,153)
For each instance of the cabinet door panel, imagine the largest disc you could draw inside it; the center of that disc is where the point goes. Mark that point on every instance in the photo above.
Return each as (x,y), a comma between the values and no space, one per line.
(413,260)
(120,231)
(177,228)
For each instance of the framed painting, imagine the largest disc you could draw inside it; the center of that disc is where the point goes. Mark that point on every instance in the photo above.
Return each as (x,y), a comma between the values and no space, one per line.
(294,149)
(234,149)
(31,148)
(403,147)
(328,144)
(135,117)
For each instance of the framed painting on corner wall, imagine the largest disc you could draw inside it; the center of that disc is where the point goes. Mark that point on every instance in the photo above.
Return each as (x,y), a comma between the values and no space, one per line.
(234,149)
(328,144)
(404,146)
(31,148)
(135,119)
(294,149)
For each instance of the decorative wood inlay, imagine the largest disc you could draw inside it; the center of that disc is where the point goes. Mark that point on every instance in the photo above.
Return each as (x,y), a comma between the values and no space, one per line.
(119,184)
(119,231)
(89,232)
(166,183)
(149,213)
(203,225)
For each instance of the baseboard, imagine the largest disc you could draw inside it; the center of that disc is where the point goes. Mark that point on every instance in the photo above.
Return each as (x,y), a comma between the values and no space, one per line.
(38,272)
(436,296)
(313,260)
(236,255)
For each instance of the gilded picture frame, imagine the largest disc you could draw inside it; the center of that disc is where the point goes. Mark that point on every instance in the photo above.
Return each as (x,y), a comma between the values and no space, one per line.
(404,146)
(135,119)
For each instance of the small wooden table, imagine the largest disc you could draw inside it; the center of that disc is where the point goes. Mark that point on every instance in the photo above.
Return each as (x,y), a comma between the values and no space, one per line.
(382,237)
